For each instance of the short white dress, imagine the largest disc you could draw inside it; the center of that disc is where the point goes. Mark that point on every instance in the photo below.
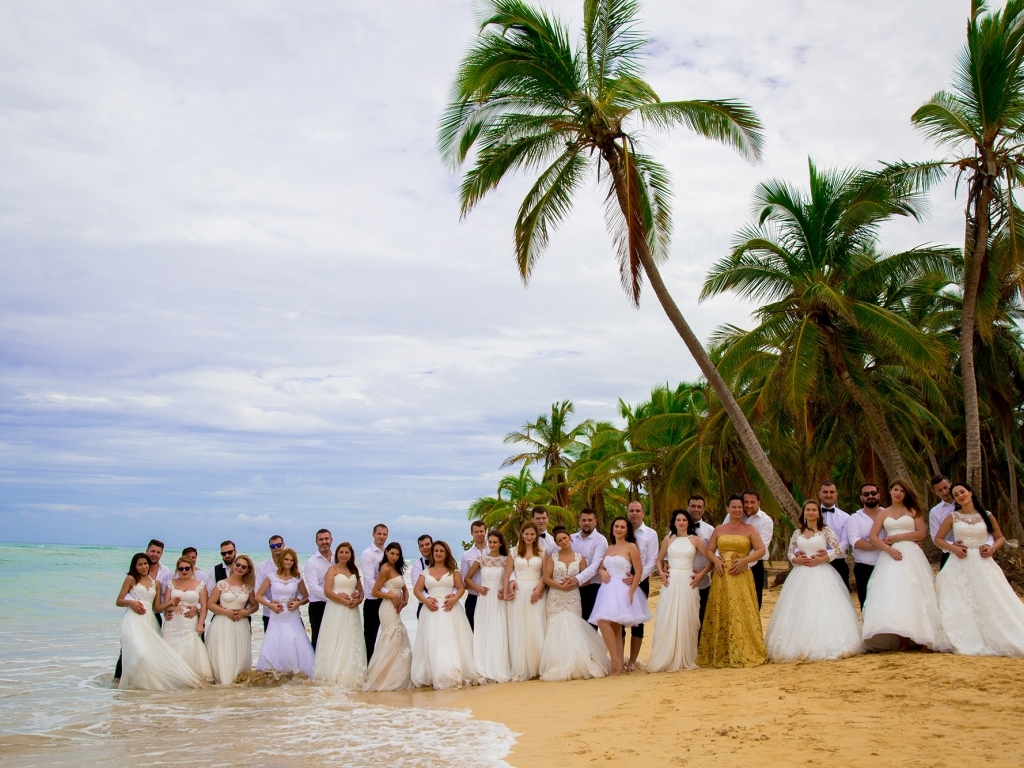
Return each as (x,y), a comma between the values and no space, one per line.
(613,603)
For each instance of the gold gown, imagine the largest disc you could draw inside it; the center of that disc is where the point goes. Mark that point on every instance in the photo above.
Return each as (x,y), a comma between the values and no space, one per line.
(731,635)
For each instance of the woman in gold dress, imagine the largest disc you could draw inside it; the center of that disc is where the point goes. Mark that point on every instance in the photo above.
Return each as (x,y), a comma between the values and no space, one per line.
(731,635)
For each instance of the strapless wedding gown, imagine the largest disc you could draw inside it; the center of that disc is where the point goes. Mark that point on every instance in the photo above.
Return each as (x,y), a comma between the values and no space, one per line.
(230,642)
(979,611)
(573,649)
(180,632)
(901,597)
(391,664)
(286,647)
(443,656)
(814,618)
(490,623)
(340,648)
(678,622)
(612,602)
(150,664)
(527,622)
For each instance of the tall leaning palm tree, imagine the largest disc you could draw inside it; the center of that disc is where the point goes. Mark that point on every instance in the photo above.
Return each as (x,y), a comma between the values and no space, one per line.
(812,255)
(524,99)
(981,121)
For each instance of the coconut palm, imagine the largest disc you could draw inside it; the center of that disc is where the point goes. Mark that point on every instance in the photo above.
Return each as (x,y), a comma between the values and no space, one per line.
(812,255)
(554,444)
(524,99)
(981,121)
(517,495)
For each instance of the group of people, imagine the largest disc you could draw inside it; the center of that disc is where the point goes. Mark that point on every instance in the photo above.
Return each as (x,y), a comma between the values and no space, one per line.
(556,606)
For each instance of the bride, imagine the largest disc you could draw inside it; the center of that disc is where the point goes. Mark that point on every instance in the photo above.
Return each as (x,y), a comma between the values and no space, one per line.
(185,618)
(814,618)
(443,656)
(229,638)
(391,663)
(527,607)
(150,664)
(572,648)
(901,608)
(980,612)
(490,622)
(341,648)
(286,647)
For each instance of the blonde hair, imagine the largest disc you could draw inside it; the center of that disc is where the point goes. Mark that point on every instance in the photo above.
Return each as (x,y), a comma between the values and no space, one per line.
(250,576)
(521,547)
(295,564)
(177,573)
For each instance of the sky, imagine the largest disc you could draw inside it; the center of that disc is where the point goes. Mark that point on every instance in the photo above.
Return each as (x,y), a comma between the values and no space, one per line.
(236,295)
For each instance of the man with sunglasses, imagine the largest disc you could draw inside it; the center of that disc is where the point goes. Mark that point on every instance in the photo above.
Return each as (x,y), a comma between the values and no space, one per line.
(227,555)
(268,568)
(858,534)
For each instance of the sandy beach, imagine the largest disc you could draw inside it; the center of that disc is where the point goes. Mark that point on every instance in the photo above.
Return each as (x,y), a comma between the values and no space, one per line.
(909,709)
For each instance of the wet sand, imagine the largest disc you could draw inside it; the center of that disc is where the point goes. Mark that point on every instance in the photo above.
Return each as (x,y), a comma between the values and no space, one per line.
(895,709)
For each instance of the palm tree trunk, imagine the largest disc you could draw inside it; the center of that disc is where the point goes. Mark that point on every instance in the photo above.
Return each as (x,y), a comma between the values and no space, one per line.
(1016,529)
(972,283)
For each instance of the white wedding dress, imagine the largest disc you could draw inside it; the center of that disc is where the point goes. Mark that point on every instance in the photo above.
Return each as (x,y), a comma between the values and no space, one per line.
(678,622)
(340,648)
(150,664)
(901,597)
(443,656)
(527,622)
(286,647)
(612,602)
(980,613)
(391,664)
(180,631)
(573,649)
(814,618)
(230,642)
(490,623)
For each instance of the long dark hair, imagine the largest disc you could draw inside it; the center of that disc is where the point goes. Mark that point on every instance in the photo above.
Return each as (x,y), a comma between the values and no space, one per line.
(630,537)
(352,566)
(691,527)
(502,544)
(399,563)
(977,506)
(909,497)
(135,561)
(449,560)
(803,520)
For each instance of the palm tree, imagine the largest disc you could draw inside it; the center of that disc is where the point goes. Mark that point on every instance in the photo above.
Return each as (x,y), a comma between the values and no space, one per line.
(812,255)
(525,100)
(554,444)
(981,121)
(517,495)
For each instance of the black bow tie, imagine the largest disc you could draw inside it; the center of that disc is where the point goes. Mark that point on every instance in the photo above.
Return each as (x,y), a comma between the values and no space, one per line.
(543,535)
(828,509)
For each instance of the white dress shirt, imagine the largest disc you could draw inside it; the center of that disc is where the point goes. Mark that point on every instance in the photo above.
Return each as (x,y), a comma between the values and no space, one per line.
(647,543)
(592,549)
(315,575)
(417,568)
(765,528)
(207,579)
(705,531)
(468,558)
(547,542)
(264,571)
(858,528)
(369,564)
(837,520)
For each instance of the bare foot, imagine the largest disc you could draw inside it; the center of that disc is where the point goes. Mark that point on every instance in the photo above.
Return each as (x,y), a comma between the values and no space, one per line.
(631,667)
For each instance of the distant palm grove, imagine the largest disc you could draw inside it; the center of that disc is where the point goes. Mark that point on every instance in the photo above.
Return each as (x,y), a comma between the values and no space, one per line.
(861,365)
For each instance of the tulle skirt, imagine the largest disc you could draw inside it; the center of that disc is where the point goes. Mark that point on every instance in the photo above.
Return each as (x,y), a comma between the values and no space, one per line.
(677,627)
(340,648)
(902,603)
(286,648)
(490,638)
(572,650)
(979,611)
(527,623)
(443,655)
(180,633)
(612,604)
(230,647)
(814,618)
(150,664)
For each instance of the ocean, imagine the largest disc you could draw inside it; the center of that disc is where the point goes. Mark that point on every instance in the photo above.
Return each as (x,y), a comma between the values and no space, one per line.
(58,645)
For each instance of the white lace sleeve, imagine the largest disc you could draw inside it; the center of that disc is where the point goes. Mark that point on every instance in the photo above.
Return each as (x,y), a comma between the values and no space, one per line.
(835,549)
(792,546)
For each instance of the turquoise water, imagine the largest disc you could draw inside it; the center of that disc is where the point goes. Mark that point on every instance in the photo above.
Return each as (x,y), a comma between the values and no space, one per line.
(58,645)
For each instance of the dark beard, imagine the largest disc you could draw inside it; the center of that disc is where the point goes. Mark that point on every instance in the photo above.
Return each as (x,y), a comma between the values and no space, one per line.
(872,504)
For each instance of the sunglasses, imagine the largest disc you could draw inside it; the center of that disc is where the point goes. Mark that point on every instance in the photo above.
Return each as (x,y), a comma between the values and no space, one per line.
(869,493)
(229,552)
(241,567)
(184,569)
(277,546)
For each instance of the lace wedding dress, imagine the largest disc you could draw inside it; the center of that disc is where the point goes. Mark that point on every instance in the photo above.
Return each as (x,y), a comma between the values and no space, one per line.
(340,648)
(527,621)
(678,623)
(490,623)
(286,647)
(230,642)
(732,634)
(613,603)
(391,664)
(150,664)
(443,656)
(573,649)
(901,596)
(814,618)
(979,611)
(180,631)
